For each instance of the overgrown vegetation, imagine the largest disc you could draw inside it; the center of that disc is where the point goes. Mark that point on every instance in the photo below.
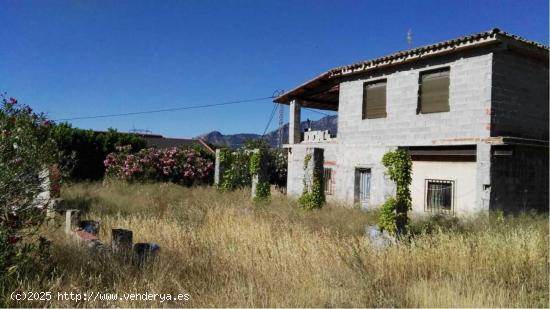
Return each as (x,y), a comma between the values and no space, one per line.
(237,171)
(182,166)
(82,152)
(258,169)
(225,252)
(26,151)
(313,195)
(393,214)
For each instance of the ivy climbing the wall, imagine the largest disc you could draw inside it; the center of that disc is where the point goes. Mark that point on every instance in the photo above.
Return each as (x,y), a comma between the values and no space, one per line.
(313,196)
(262,190)
(393,215)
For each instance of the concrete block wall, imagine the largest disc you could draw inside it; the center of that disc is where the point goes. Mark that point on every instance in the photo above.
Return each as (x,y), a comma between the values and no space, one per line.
(296,173)
(519,96)
(462,173)
(469,100)
(520,181)
(362,143)
(351,157)
(486,92)
(483,179)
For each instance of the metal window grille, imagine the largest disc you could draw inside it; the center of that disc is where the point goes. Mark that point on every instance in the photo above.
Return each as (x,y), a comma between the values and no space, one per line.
(328,181)
(439,195)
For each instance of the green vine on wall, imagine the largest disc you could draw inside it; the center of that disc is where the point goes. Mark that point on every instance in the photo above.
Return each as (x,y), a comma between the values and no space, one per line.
(255,161)
(263,191)
(235,166)
(393,215)
(312,197)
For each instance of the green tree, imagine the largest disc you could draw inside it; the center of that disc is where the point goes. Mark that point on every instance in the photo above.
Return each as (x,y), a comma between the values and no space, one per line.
(26,151)
(82,152)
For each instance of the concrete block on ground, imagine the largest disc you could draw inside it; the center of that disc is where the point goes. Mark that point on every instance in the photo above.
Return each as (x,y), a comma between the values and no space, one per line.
(72,220)
(122,241)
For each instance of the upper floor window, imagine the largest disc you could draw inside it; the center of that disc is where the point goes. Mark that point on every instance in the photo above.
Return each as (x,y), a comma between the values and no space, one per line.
(434,91)
(374,99)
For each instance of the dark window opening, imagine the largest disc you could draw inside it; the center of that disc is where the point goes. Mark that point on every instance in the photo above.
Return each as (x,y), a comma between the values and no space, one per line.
(434,91)
(374,99)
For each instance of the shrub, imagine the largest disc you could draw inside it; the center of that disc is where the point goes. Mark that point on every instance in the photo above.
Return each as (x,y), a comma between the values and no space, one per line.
(236,169)
(387,218)
(26,151)
(82,152)
(393,215)
(182,166)
(313,196)
(257,159)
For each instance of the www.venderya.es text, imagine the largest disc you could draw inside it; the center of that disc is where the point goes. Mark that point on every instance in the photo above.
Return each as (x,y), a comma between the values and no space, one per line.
(99,296)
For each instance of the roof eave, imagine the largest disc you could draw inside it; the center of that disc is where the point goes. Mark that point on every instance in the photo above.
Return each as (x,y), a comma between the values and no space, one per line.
(493,36)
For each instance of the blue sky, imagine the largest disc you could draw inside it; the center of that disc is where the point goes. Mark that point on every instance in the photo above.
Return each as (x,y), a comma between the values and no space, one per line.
(82,58)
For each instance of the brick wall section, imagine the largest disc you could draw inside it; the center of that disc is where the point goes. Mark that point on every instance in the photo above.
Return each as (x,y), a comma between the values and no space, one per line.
(520,181)
(520,96)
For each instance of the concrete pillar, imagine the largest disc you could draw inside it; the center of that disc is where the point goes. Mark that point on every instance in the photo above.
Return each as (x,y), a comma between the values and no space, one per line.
(121,242)
(294,130)
(218,169)
(262,175)
(483,177)
(314,168)
(72,220)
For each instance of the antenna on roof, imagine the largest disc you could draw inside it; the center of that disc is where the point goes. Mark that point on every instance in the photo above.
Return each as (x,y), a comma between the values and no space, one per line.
(410,38)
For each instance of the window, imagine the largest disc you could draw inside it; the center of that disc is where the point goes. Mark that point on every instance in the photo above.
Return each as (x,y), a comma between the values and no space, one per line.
(439,195)
(374,99)
(328,181)
(434,92)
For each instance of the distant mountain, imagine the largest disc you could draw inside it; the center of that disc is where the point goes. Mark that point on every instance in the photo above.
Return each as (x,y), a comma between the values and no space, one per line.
(233,140)
(237,140)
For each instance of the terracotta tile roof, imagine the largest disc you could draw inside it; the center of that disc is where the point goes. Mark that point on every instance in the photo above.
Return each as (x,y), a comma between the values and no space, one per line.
(492,36)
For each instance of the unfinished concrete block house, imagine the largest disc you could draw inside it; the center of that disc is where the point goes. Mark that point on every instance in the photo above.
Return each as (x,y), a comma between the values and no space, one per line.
(472,112)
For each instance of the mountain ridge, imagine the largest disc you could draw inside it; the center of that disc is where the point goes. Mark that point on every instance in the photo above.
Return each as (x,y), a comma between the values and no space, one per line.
(238,140)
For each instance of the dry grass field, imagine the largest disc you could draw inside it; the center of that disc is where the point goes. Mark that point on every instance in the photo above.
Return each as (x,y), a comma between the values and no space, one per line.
(227,252)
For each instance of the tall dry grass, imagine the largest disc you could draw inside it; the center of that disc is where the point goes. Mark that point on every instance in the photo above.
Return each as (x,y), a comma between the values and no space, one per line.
(226,252)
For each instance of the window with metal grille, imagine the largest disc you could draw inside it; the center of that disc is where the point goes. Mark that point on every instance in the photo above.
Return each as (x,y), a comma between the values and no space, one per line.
(374,99)
(434,91)
(439,195)
(328,181)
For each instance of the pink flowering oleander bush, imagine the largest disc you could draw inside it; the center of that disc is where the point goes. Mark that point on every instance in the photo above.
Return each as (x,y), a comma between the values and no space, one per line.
(183,166)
